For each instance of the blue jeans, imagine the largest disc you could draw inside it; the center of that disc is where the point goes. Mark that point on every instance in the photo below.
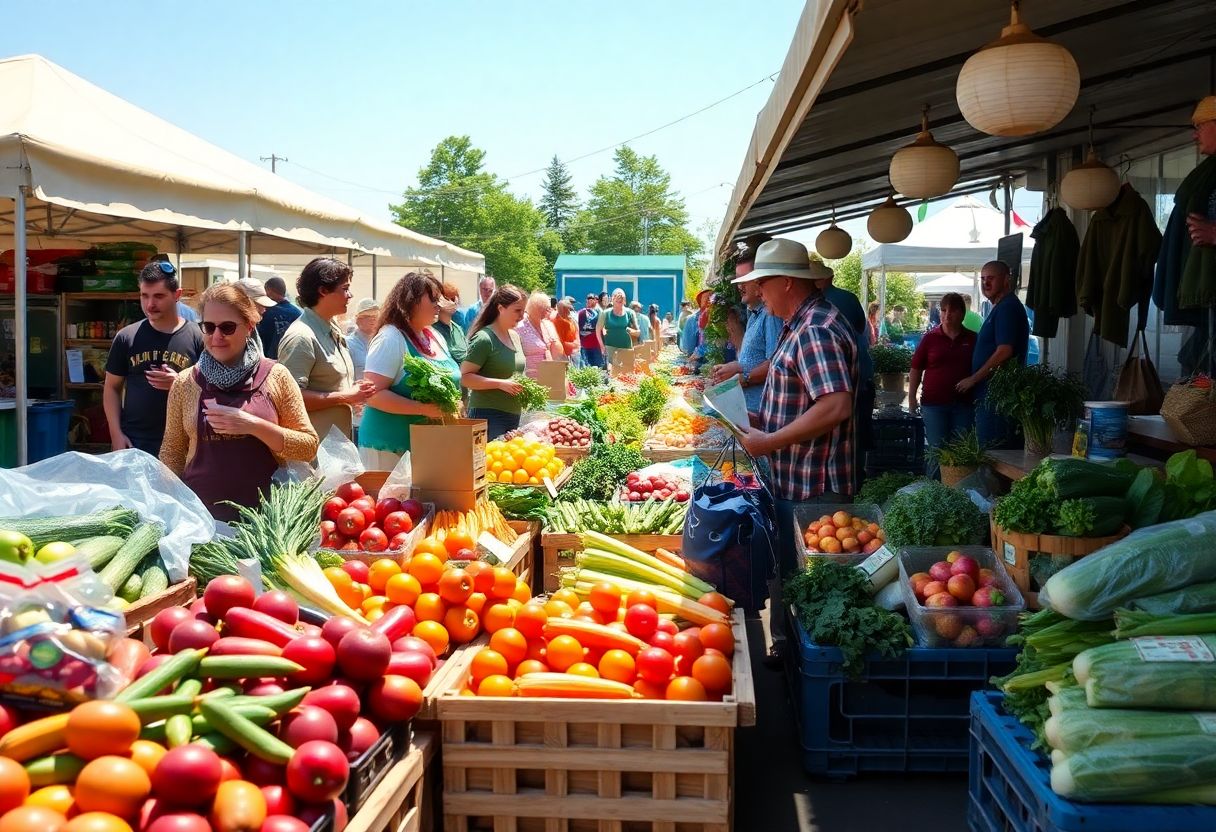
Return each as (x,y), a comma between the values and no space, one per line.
(942,423)
(498,422)
(593,357)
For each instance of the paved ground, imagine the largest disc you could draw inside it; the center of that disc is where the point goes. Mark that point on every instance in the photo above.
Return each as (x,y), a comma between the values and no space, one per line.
(774,794)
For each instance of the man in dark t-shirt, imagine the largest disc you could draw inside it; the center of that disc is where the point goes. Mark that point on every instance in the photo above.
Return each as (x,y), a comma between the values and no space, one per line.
(277,318)
(144,359)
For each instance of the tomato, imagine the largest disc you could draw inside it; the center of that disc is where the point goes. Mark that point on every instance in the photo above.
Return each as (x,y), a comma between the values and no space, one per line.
(278,800)
(718,637)
(364,655)
(317,772)
(361,736)
(163,624)
(112,784)
(188,776)
(717,601)
(100,728)
(482,574)
(562,652)
(97,822)
(511,643)
(333,507)
(583,669)
(316,655)
(227,591)
(239,807)
(488,662)
(179,822)
(413,644)
(455,586)
(263,773)
(231,772)
(642,596)
(412,664)
(283,823)
(14,784)
(147,754)
(688,649)
(531,666)
(605,598)
(385,507)
(686,689)
(373,540)
(395,698)
(340,701)
(337,627)
(655,665)
(663,639)
(307,723)
(351,522)
(192,634)
(714,673)
(642,621)
(32,819)
(618,666)
(530,619)
(496,686)
(350,491)
(650,690)
(397,522)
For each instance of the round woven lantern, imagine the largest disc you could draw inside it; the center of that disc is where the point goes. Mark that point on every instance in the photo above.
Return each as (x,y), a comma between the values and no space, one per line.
(833,242)
(1019,84)
(1090,185)
(889,222)
(925,168)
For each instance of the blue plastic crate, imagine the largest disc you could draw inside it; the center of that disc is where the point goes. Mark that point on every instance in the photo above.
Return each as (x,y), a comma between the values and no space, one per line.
(908,714)
(1009,787)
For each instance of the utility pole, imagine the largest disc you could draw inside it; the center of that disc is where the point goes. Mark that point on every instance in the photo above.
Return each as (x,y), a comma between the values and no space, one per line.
(645,233)
(273,160)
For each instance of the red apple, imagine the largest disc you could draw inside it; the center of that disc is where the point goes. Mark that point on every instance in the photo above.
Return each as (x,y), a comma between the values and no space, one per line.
(350,491)
(965,566)
(941,599)
(373,540)
(357,569)
(414,509)
(934,588)
(962,587)
(939,571)
(397,522)
(333,507)
(385,507)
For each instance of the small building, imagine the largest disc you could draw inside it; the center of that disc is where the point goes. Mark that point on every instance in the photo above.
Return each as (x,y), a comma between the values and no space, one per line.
(657,278)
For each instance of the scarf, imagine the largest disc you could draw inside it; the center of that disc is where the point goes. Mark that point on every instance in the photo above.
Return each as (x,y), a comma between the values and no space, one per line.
(230,378)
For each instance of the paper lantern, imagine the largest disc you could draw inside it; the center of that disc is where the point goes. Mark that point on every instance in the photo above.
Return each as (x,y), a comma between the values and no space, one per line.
(1019,84)
(924,169)
(833,242)
(889,223)
(1090,185)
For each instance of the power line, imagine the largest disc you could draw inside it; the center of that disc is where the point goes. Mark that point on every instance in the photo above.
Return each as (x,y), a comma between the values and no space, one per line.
(273,159)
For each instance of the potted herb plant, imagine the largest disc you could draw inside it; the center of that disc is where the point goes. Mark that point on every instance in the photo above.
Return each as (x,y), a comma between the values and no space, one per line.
(891,366)
(1037,398)
(959,458)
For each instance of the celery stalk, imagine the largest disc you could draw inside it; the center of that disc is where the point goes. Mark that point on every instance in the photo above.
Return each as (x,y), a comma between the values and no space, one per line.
(607,561)
(610,544)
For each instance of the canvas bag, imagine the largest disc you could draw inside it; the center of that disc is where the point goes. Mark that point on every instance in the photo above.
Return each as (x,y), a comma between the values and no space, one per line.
(1138,382)
(730,536)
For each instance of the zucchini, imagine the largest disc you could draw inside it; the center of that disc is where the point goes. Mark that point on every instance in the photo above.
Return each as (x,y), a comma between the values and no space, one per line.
(1065,479)
(43,530)
(1091,516)
(130,589)
(137,547)
(99,549)
(155,579)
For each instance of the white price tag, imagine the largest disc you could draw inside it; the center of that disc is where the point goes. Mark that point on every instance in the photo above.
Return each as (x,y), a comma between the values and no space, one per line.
(551,488)
(1011,554)
(492,550)
(879,558)
(1173,649)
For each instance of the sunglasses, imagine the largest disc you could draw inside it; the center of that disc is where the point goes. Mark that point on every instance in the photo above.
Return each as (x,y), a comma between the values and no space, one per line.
(227,328)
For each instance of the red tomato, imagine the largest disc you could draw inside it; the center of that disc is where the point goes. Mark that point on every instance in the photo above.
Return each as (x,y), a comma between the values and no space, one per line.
(337,627)
(398,522)
(316,655)
(358,570)
(163,624)
(641,621)
(663,639)
(278,800)
(278,604)
(395,698)
(341,701)
(283,823)
(386,507)
(666,625)
(413,644)
(307,723)
(188,775)
(361,736)
(350,491)
(373,540)
(176,822)
(688,648)
(364,655)
(318,771)
(411,664)
(655,665)
(333,507)
(351,522)
(192,634)
(263,773)
(368,507)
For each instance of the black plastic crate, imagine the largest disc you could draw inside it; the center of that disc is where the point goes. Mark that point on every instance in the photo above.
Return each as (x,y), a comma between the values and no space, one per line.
(367,772)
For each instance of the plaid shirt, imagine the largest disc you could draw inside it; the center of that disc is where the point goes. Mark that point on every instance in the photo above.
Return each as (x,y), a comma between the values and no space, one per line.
(816,357)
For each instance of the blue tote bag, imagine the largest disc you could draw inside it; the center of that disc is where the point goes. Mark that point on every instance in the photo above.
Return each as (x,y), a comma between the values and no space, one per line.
(730,534)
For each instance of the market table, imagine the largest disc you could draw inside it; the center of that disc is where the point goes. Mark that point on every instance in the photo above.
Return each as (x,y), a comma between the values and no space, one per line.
(1151,432)
(1015,464)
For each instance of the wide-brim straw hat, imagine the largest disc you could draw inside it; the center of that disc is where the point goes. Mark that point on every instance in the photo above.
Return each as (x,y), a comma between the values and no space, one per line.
(784,258)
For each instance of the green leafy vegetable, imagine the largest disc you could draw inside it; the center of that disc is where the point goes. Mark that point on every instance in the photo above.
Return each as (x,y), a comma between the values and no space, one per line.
(933,515)
(587,378)
(520,503)
(962,451)
(431,385)
(623,422)
(328,559)
(1036,397)
(649,400)
(603,471)
(878,490)
(533,396)
(1027,508)
(1145,499)
(1190,487)
(585,413)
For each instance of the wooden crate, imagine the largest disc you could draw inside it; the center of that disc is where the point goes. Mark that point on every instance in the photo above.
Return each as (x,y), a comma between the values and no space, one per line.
(372,481)
(575,765)
(571,455)
(565,475)
(403,800)
(523,554)
(708,455)
(552,545)
(1017,550)
(145,609)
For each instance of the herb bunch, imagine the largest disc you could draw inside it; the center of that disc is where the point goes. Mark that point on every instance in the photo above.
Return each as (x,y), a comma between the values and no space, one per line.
(533,396)
(603,471)
(430,385)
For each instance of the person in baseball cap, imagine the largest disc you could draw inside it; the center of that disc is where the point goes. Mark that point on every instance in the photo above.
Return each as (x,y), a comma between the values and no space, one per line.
(367,315)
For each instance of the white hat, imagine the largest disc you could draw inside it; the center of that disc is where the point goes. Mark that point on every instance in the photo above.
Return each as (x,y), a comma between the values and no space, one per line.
(366,305)
(255,291)
(1205,110)
(783,258)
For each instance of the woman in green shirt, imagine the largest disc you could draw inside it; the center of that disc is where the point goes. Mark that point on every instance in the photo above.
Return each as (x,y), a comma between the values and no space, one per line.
(495,354)
(618,326)
(451,330)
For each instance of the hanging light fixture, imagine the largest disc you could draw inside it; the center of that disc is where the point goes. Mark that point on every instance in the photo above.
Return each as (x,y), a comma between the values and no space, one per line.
(833,242)
(1090,185)
(925,168)
(889,222)
(1019,84)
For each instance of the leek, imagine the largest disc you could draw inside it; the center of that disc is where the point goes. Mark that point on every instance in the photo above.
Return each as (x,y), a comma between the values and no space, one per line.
(1115,676)
(1076,729)
(1189,599)
(596,540)
(1132,770)
(602,561)
(1132,624)
(301,576)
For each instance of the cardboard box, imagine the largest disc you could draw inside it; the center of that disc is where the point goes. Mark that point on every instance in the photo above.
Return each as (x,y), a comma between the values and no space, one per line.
(450,456)
(450,500)
(623,360)
(552,374)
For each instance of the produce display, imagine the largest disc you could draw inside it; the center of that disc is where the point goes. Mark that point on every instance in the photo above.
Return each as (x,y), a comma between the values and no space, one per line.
(654,516)
(521,461)
(604,470)
(533,395)
(680,429)
(842,532)
(604,558)
(1071,497)
(878,490)
(639,488)
(561,431)
(933,515)
(587,378)
(354,522)
(520,503)
(959,599)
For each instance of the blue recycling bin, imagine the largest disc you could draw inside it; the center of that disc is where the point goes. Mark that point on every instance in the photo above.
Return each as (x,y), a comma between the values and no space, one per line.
(48,430)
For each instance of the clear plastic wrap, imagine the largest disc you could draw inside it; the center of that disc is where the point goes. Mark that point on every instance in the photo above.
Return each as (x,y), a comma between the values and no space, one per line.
(1076,729)
(1175,672)
(75,483)
(1186,601)
(1137,770)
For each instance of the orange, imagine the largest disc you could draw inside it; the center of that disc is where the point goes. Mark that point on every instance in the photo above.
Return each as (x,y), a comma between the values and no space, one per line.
(649,690)
(476,602)
(566,596)
(374,615)
(713,672)
(531,666)
(427,568)
(338,577)
(618,666)
(530,620)
(14,784)
(717,601)
(434,634)
(583,669)
(430,607)
(496,685)
(511,643)
(520,477)
(482,574)
(487,662)
(497,616)
(718,637)
(56,798)
(96,822)
(112,784)
(349,594)
(642,596)
(605,598)
(100,728)
(403,588)
(455,586)
(457,540)
(380,572)
(462,624)
(587,611)
(686,689)
(32,819)
(522,593)
(430,546)
(376,602)
(563,652)
(558,609)
(504,583)
(147,754)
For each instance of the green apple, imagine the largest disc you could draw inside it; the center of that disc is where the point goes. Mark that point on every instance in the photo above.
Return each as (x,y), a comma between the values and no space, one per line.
(54,552)
(15,547)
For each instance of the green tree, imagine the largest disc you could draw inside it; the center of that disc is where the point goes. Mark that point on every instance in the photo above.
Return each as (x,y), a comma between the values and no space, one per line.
(558,201)
(459,201)
(901,288)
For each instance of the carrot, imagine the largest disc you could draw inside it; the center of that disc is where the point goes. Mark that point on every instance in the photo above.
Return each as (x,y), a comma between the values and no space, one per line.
(671,559)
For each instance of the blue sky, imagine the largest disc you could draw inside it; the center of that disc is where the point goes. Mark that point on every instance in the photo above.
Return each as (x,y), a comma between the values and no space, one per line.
(361,91)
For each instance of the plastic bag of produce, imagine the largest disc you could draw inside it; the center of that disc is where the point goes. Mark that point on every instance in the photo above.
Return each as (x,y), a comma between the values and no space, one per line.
(1186,601)
(1078,728)
(1149,561)
(399,480)
(1137,770)
(1171,672)
(75,483)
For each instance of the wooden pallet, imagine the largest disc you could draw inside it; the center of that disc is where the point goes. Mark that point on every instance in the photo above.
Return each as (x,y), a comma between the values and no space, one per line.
(518,765)
(402,801)
(553,544)
(181,594)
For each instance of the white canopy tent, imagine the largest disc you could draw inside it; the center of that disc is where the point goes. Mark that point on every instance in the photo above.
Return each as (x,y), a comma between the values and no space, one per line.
(79,166)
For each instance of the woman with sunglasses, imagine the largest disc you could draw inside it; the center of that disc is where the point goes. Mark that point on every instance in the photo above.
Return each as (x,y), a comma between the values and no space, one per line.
(495,355)
(235,417)
(405,328)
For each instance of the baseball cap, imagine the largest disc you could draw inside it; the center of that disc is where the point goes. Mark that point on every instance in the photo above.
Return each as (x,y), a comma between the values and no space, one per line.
(255,291)
(366,305)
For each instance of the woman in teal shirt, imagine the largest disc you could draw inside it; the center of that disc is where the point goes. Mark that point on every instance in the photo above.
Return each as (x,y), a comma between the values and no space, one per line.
(494,355)
(618,326)
(405,328)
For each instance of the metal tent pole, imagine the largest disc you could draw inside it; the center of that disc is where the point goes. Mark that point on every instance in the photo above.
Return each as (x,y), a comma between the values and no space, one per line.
(374,277)
(20,334)
(242,246)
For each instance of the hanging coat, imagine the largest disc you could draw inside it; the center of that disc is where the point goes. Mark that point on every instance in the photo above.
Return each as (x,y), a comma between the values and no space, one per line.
(1197,195)
(1115,269)
(1052,290)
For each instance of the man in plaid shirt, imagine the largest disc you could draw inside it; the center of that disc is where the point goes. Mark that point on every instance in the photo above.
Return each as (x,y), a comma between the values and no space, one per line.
(805,423)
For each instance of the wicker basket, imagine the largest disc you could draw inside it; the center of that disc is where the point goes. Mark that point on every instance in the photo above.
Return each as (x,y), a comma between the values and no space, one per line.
(952,475)
(1191,414)
(1018,550)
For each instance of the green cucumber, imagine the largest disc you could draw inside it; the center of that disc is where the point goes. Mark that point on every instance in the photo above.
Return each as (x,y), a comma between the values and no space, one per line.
(130,589)
(54,769)
(280,703)
(257,714)
(217,742)
(155,580)
(179,730)
(155,708)
(138,546)
(189,687)
(181,665)
(246,734)
(100,549)
(246,667)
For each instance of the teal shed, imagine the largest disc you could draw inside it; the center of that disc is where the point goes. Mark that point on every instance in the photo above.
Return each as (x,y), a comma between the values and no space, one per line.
(656,278)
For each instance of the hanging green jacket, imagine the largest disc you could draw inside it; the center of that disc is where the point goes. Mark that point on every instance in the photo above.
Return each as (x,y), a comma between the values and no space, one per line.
(1052,290)
(1197,264)
(1115,269)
